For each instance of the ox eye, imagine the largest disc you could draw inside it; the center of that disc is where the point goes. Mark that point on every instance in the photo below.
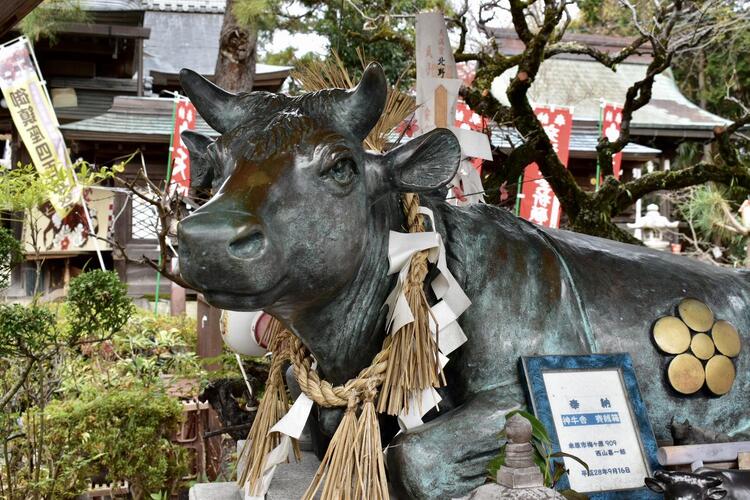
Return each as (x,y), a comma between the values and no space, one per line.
(343,171)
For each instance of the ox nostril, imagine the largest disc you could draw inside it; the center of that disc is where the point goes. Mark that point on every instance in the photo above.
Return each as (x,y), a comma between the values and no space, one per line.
(248,245)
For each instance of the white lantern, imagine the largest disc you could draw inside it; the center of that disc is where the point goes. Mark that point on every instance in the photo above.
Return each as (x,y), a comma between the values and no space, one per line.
(652,225)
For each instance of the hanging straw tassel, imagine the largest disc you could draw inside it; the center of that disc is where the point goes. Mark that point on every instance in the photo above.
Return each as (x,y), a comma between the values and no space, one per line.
(338,469)
(413,364)
(372,481)
(272,408)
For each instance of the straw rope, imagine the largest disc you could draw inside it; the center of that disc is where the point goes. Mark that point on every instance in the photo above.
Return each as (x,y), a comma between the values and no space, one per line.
(407,363)
(323,392)
(328,395)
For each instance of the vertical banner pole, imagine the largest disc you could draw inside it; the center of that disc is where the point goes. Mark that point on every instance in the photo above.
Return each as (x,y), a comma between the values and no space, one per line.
(598,166)
(90,223)
(519,194)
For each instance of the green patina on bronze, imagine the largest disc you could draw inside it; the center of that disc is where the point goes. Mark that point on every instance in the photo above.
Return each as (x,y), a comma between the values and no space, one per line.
(309,245)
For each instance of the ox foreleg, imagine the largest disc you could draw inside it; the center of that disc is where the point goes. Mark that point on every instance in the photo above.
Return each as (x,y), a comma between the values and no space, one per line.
(448,456)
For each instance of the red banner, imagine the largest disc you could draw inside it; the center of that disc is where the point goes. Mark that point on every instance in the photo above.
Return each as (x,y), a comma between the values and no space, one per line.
(611,125)
(184,119)
(539,203)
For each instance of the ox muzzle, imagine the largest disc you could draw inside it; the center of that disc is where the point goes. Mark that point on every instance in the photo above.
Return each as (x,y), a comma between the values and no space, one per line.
(225,252)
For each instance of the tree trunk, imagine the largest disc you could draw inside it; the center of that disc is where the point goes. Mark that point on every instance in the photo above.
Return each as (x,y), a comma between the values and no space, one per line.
(235,67)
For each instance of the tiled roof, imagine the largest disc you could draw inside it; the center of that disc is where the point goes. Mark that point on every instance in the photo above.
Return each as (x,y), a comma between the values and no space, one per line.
(509,44)
(581,144)
(214,6)
(185,5)
(90,103)
(583,84)
(94,95)
(180,40)
(143,118)
(111,5)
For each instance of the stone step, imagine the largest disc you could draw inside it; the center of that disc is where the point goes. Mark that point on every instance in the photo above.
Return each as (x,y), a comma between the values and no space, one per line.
(289,482)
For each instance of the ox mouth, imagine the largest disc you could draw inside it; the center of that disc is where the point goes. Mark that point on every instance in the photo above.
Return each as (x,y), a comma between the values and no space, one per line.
(244,301)
(235,301)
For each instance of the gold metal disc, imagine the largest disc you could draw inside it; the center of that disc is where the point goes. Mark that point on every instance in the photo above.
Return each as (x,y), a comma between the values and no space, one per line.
(686,374)
(719,374)
(671,335)
(726,338)
(702,346)
(696,314)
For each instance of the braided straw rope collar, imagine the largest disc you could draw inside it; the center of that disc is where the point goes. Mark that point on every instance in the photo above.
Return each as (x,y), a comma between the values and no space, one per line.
(370,378)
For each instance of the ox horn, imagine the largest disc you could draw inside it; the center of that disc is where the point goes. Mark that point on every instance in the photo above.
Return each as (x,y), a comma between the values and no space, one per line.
(221,109)
(362,106)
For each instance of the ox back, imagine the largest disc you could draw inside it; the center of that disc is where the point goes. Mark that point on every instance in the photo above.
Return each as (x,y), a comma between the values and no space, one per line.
(544,291)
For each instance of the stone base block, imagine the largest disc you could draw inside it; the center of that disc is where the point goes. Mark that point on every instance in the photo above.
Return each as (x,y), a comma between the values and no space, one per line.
(289,482)
(215,491)
(527,477)
(498,492)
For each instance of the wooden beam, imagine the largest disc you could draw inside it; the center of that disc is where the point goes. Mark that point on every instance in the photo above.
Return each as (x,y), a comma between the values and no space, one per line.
(88,135)
(139,60)
(108,30)
(691,453)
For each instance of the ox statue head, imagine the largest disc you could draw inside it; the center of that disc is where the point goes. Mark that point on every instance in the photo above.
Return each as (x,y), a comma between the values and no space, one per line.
(293,189)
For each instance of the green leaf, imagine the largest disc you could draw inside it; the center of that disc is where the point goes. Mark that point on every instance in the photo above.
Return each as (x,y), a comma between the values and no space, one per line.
(559,471)
(561,454)
(573,495)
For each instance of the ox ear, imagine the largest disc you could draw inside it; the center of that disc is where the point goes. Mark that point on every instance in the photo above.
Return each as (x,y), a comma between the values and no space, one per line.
(202,173)
(426,163)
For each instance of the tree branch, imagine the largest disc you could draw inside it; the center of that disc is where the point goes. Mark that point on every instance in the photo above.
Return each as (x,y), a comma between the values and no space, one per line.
(19,383)
(676,179)
(600,56)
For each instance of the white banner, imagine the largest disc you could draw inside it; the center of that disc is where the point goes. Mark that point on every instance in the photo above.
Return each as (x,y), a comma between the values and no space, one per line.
(36,122)
(435,61)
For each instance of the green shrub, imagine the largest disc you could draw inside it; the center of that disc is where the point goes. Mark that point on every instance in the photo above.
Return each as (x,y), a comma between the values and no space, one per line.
(98,304)
(122,434)
(26,331)
(11,255)
(147,351)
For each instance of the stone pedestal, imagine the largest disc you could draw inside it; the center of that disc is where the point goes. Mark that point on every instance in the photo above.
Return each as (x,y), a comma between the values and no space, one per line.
(519,470)
(215,491)
(499,492)
(289,482)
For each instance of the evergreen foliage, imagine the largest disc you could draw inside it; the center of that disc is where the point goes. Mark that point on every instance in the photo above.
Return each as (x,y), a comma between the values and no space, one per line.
(99,304)
(11,254)
(45,21)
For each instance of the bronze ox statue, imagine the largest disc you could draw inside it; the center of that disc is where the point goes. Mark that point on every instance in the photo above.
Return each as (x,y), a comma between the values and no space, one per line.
(704,484)
(298,226)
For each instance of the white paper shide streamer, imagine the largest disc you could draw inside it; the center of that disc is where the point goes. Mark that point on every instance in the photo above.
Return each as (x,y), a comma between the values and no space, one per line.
(290,426)
(452,302)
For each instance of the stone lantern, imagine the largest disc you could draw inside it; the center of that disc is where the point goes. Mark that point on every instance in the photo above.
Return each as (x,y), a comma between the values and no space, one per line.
(652,226)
